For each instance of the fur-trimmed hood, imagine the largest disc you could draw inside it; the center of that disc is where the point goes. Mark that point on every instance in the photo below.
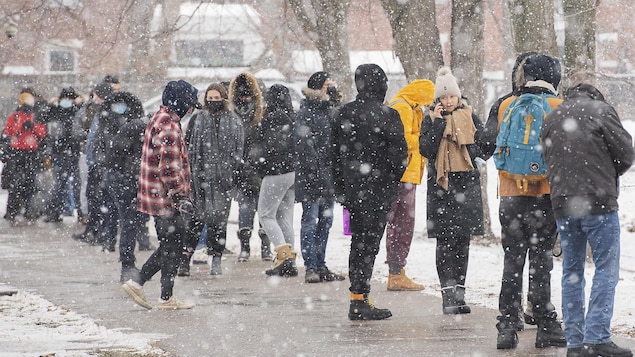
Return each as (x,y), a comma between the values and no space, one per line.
(246,84)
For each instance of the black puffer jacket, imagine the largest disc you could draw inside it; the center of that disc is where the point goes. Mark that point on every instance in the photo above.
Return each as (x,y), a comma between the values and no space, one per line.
(368,151)
(312,139)
(277,155)
(123,153)
(583,165)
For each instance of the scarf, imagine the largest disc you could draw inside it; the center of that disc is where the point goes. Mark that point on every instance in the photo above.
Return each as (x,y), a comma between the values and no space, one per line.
(453,155)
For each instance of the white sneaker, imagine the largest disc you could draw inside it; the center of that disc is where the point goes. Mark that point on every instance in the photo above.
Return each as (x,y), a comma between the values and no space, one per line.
(136,294)
(174,304)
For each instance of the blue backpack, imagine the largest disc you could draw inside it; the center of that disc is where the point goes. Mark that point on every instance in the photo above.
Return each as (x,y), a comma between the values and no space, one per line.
(518,154)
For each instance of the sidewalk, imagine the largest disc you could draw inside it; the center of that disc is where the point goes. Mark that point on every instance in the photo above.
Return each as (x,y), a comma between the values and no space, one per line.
(242,312)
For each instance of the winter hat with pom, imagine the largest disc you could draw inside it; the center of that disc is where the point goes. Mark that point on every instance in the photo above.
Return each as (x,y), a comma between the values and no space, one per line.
(446,84)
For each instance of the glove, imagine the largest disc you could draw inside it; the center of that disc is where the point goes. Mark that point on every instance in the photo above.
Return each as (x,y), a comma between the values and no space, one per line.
(185,207)
(27,125)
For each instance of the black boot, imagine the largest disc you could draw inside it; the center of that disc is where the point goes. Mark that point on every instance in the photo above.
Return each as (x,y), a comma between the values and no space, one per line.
(449,300)
(606,349)
(184,264)
(459,297)
(550,332)
(362,309)
(244,235)
(507,336)
(265,247)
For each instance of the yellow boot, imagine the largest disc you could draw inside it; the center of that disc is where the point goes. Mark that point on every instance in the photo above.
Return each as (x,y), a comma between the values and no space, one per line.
(284,262)
(400,282)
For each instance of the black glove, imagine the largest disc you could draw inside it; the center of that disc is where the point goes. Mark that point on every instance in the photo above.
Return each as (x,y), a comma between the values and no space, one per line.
(27,125)
(185,207)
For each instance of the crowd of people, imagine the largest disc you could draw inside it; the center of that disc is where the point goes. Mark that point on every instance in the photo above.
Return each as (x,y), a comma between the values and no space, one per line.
(183,166)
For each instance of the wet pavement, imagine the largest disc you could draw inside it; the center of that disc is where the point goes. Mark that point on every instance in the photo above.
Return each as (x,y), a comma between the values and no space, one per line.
(242,312)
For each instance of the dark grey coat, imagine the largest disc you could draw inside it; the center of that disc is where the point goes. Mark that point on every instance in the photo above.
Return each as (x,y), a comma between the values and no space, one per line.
(586,150)
(215,151)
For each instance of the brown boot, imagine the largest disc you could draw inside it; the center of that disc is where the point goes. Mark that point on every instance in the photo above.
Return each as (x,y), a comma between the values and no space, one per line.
(284,262)
(400,282)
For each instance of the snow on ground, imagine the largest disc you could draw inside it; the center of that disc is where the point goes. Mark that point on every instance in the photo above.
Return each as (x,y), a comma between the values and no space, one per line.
(34,323)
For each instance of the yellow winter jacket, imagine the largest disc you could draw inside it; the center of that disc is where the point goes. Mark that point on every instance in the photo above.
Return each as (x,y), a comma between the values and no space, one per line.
(410,102)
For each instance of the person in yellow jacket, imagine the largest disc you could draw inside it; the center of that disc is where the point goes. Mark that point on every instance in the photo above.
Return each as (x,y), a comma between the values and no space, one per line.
(410,102)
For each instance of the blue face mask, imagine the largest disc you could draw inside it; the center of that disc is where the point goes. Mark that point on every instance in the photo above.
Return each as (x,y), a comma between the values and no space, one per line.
(119,108)
(66,103)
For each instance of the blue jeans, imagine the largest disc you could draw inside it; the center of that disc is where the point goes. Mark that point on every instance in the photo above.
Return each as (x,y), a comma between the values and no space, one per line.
(602,232)
(317,219)
(122,189)
(65,170)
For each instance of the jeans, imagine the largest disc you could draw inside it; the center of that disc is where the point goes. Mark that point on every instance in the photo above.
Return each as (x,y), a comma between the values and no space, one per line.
(65,170)
(528,229)
(275,208)
(122,189)
(602,232)
(247,207)
(401,224)
(317,219)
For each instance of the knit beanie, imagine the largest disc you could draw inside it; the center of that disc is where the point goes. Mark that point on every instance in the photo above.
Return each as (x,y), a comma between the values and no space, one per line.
(68,92)
(542,67)
(103,90)
(180,96)
(446,84)
(317,79)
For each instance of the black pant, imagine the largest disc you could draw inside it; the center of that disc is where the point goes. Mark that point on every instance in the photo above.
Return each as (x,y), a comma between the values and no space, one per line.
(171,231)
(21,173)
(452,253)
(367,229)
(528,226)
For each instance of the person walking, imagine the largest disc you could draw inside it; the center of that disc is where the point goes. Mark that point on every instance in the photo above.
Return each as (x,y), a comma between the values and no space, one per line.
(410,102)
(450,141)
(215,151)
(275,161)
(313,183)
(164,193)
(368,154)
(528,227)
(583,169)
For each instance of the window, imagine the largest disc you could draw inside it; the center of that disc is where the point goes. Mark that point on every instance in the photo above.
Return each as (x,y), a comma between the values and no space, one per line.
(59,60)
(209,53)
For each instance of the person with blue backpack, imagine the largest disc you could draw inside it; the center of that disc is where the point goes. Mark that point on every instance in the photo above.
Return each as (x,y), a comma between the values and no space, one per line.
(528,226)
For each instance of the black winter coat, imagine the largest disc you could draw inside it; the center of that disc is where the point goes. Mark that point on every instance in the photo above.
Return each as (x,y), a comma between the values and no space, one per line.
(124,153)
(65,136)
(459,210)
(584,165)
(368,151)
(277,155)
(312,135)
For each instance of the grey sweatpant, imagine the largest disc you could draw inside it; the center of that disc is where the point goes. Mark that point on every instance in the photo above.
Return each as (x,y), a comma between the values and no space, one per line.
(275,208)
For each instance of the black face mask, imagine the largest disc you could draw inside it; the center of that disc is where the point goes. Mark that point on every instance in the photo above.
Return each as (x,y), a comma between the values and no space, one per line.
(215,105)
(334,95)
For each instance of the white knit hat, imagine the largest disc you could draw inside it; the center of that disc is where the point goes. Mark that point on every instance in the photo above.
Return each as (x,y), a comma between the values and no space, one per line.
(446,84)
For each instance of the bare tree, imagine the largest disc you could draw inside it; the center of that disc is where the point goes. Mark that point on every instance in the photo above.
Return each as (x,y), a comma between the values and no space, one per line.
(579,31)
(533,26)
(416,36)
(324,21)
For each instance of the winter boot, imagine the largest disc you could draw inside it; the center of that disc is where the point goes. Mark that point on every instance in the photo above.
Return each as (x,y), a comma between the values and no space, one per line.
(507,335)
(400,282)
(215,268)
(244,235)
(362,309)
(449,300)
(606,349)
(265,247)
(184,264)
(459,296)
(550,332)
(284,262)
